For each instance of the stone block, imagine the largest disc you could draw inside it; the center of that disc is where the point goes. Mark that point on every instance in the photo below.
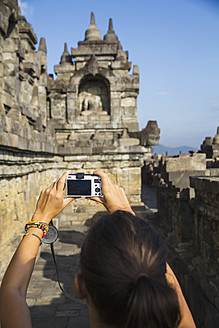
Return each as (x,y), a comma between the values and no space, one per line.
(9,57)
(128,102)
(11,45)
(12,140)
(186,162)
(1,70)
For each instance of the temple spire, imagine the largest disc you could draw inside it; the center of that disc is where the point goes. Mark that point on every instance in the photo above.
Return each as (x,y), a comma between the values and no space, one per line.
(92,18)
(111,36)
(111,25)
(66,58)
(92,33)
(42,45)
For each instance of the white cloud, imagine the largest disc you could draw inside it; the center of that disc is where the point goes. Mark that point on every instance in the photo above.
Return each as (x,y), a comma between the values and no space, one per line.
(26,9)
(162,93)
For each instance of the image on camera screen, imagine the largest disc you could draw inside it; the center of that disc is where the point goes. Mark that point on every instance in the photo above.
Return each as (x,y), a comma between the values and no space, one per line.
(79,187)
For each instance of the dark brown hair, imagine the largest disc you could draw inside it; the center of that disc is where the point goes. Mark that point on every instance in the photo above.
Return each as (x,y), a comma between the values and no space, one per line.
(116,252)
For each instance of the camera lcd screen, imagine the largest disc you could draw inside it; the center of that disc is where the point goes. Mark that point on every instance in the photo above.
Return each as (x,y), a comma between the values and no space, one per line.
(79,187)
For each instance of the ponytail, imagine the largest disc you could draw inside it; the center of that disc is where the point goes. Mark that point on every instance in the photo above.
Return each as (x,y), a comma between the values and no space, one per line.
(152,303)
(123,264)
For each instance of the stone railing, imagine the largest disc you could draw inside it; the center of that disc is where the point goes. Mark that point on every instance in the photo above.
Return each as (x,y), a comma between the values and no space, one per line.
(188,208)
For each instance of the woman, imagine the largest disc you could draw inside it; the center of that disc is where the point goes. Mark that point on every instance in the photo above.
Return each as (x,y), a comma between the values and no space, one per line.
(124,276)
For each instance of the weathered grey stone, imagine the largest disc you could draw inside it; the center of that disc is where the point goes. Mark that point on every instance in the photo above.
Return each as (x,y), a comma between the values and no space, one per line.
(190,221)
(148,136)
(210,146)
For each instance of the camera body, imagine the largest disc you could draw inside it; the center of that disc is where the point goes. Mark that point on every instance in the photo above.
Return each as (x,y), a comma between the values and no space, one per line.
(83,185)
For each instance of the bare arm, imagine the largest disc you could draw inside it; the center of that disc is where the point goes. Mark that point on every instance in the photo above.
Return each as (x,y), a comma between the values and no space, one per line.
(14,311)
(186,316)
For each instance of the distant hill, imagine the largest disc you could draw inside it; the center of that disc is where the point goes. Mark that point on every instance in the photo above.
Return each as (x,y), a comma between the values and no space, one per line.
(160,149)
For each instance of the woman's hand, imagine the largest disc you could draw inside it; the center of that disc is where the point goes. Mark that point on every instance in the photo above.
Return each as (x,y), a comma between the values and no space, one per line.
(51,201)
(14,311)
(114,197)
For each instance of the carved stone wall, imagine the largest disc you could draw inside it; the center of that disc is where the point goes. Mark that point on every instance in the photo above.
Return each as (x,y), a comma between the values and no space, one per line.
(78,122)
(23,81)
(188,208)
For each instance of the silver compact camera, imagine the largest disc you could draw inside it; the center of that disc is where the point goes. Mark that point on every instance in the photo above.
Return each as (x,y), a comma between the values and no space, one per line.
(83,185)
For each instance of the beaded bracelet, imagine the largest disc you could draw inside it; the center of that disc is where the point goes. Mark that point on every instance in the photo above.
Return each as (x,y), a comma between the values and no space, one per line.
(36,224)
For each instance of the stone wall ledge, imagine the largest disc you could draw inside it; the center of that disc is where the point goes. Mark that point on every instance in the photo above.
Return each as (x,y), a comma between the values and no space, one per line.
(36,142)
(185,162)
(21,170)
(101,158)
(206,183)
(180,179)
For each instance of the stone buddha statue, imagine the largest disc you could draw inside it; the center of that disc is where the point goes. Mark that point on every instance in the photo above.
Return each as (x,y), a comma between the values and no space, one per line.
(91,104)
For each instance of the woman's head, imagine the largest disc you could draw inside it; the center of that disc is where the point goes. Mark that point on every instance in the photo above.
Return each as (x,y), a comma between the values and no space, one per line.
(123,265)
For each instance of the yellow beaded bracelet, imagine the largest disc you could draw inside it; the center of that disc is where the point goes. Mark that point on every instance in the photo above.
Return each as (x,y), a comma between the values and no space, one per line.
(36,224)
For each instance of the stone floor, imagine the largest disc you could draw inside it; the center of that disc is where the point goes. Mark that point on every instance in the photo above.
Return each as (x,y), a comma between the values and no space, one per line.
(48,305)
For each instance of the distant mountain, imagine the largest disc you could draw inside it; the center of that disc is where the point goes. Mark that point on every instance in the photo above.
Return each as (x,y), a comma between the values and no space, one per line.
(160,149)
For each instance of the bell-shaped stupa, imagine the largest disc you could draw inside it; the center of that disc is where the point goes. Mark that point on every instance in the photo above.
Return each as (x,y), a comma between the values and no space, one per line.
(111,36)
(66,58)
(92,33)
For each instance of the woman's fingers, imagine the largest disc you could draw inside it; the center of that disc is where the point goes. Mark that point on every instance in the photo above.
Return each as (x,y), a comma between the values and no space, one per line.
(60,184)
(114,197)
(51,201)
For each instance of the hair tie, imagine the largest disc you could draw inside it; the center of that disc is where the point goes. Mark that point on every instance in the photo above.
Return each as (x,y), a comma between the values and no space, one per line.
(140,275)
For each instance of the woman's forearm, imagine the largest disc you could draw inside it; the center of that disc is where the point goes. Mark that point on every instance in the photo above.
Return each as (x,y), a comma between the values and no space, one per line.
(186,316)
(15,282)
(22,264)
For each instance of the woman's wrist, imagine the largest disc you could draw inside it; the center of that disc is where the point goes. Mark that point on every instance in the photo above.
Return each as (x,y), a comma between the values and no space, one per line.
(114,208)
(41,218)
(36,231)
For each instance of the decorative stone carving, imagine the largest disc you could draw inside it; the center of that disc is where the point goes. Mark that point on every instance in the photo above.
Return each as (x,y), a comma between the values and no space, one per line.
(9,12)
(91,103)
(94,90)
(149,136)
(23,82)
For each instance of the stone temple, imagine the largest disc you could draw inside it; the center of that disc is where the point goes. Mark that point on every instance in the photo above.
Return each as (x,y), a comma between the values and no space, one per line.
(92,104)
(85,119)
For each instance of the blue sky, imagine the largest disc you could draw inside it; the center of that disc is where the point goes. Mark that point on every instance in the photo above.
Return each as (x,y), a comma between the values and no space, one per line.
(175,43)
